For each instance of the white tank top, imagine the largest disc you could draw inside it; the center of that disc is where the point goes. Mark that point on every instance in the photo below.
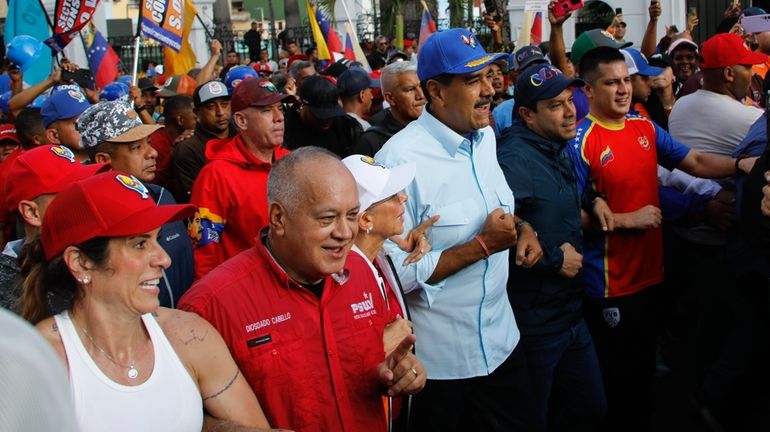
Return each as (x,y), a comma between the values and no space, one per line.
(169,400)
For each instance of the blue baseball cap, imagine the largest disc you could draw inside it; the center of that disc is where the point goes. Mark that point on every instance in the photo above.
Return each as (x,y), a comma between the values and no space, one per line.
(355,80)
(637,64)
(455,51)
(527,56)
(65,102)
(541,82)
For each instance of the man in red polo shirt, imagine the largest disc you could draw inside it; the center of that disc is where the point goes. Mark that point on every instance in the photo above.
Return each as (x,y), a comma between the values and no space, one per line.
(304,319)
(231,189)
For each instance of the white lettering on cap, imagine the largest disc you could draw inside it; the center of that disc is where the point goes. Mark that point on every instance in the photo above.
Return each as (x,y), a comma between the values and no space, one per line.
(216,88)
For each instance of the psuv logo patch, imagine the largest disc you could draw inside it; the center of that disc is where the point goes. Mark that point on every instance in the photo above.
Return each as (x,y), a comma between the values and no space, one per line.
(132,183)
(365,308)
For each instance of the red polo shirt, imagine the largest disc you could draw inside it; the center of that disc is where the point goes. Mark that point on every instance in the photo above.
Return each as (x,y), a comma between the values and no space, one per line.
(311,362)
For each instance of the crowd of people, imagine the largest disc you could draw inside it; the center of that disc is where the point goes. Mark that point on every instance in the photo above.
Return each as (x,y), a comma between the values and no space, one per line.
(459,239)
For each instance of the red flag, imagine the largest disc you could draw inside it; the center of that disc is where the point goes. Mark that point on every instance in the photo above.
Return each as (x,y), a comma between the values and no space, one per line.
(427,28)
(71,17)
(103,60)
(536,34)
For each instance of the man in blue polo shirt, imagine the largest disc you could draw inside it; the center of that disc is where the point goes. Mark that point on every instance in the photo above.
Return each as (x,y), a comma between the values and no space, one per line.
(456,293)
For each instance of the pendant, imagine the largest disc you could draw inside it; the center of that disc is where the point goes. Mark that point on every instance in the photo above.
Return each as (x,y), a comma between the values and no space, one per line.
(132,373)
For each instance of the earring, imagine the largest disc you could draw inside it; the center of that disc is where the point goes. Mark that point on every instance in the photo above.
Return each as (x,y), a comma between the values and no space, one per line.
(369,229)
(85,279)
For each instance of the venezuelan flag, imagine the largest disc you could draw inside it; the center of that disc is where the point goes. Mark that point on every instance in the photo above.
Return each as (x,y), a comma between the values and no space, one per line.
(318,36)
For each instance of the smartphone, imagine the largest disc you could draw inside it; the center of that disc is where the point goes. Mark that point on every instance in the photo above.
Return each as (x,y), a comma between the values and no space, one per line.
(756,23)
(618,11)
(563,7)
(492,10)
(81,77)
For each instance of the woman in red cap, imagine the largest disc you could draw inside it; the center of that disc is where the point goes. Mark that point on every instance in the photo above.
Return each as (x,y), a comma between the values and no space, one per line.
(132,364)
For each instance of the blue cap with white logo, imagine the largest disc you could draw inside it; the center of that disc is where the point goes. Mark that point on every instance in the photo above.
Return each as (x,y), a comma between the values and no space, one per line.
(637,63)
(65,102)
(541,82)
(455,51)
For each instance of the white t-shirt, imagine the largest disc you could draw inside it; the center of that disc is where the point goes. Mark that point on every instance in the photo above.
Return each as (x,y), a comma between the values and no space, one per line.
(711,122)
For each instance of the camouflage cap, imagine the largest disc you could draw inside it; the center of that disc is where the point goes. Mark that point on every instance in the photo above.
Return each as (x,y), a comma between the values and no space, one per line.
(113,121)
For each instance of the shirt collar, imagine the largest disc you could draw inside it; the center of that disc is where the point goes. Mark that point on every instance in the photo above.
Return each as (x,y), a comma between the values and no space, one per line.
(287,282)
(449,139)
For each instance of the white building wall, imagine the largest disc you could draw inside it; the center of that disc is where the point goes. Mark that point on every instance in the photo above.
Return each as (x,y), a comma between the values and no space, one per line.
(634,14)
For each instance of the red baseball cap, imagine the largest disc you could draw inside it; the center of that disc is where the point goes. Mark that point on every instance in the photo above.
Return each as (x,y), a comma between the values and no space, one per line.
(110,204)
(8,132)
(257,93)
(728,49)
(44,170)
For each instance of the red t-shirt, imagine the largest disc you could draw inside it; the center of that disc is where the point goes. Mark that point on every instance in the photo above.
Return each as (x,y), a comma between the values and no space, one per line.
(311,362)
(620,161)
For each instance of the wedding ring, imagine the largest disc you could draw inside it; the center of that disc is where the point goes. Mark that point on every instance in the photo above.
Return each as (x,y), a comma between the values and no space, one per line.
(414,371)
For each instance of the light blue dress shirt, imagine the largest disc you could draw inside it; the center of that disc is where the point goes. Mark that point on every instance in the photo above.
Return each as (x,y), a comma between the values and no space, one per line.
(464,324)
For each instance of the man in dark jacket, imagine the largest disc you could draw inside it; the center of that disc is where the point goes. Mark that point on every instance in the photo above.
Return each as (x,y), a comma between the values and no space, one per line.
(253,40)
(401,89)
(212,107)
(546,298)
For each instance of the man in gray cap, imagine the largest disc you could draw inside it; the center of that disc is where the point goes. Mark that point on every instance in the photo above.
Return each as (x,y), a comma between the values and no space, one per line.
(211,103)
(112,132)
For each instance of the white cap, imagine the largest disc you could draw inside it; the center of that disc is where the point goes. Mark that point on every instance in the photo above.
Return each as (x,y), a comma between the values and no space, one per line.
(376,182)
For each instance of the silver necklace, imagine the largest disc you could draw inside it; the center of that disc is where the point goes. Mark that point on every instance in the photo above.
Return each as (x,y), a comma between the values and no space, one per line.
(133,372)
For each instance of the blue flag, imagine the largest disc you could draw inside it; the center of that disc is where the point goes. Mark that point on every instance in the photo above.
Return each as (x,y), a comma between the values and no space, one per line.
(27,17)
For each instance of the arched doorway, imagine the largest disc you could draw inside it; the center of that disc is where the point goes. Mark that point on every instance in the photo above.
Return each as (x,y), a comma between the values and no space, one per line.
(595,14)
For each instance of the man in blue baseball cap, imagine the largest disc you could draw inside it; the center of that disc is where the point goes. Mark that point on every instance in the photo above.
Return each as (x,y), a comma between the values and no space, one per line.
(640,71)
(547,299)
(60,111)
(456,293)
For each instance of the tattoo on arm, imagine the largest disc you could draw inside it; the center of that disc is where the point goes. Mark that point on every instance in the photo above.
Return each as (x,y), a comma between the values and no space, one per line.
(55,328)
(237,372)
(195,338)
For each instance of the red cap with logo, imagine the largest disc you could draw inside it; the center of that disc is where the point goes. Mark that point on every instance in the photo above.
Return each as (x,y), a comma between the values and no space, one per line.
(45,170)
(110,204)
(728,49)
(8,132)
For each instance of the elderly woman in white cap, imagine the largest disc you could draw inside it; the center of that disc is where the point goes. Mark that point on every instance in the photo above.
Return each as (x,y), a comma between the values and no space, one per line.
(381,217)
(133,365)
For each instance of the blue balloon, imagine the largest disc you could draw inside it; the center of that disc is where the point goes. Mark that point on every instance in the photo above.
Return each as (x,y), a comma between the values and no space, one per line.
(237,74)
(23,51)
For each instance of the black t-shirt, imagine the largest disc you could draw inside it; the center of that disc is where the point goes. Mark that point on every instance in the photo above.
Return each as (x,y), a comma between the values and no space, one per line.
(339,138)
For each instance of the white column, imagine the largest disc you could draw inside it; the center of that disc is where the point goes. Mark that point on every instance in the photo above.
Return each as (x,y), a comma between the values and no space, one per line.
(634,14)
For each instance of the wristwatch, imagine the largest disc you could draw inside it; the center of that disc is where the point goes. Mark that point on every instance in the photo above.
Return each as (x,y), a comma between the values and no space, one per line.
(521,223)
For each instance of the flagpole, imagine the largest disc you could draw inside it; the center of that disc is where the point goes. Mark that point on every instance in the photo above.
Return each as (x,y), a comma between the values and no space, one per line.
(347,14)
(53,32)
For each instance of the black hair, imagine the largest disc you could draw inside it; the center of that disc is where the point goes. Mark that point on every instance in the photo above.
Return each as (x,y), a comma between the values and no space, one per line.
(445,79)
(589,64)
(29,123)
(49,287)
(176,105)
